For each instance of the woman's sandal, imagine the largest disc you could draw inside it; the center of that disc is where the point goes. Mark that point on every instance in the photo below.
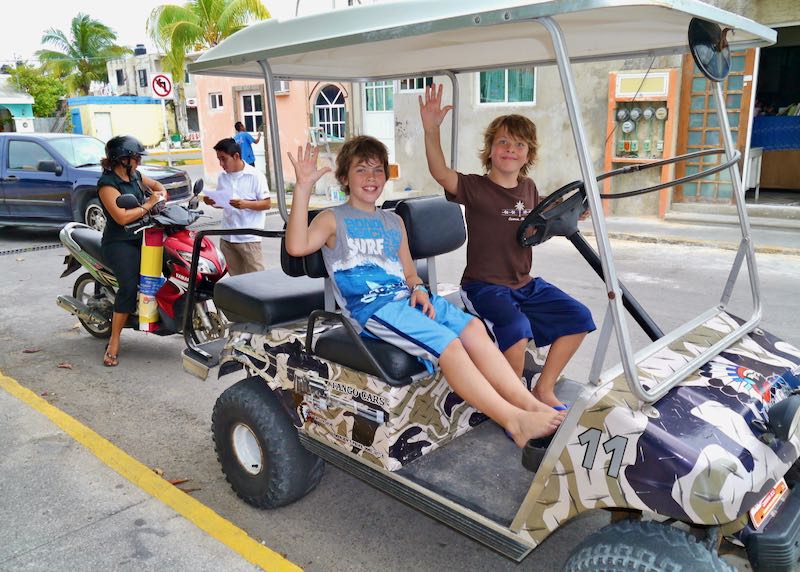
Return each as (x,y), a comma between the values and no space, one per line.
(109,359)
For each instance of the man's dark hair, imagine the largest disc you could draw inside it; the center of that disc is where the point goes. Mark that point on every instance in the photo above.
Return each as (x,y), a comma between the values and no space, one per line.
(229,146)
(238,126)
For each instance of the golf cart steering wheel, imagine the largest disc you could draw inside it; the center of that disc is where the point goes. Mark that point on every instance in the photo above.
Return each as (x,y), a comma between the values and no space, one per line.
(554,216)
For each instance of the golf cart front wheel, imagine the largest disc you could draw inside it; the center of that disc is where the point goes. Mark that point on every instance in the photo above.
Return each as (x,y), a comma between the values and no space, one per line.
(258,447)
(645,547)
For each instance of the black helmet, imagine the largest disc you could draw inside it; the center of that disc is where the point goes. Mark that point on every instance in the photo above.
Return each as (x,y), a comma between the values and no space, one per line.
(123,146)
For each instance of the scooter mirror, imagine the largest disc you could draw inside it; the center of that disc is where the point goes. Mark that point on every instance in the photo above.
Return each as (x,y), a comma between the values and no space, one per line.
(194,202)
(198,187)
(127,202)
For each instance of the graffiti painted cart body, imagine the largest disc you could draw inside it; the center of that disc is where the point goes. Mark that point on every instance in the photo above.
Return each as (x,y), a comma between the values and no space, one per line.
(699,427)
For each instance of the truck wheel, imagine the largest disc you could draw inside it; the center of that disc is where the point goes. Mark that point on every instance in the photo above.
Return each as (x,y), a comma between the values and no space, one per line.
(645,547)
(85,290)
(258,447)
(94,216)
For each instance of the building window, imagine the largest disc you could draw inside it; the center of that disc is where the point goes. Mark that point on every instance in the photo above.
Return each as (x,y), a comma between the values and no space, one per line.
(380,95)
(252,112)
(186,78)
(507,86)
(142,77)
(120,77)
(415,83)
(329,112)
(215,100)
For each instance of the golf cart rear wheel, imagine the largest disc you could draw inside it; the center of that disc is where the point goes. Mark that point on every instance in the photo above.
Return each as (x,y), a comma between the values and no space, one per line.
(645,547)
(258,447)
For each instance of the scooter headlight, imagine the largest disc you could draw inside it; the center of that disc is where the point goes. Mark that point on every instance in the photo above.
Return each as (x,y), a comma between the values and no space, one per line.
(784,418)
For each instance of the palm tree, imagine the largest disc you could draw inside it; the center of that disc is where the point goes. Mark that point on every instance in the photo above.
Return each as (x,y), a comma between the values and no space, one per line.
(81,57)
(197,25)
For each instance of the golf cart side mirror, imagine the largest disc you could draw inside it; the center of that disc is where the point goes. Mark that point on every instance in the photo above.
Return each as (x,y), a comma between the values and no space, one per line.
(127,202)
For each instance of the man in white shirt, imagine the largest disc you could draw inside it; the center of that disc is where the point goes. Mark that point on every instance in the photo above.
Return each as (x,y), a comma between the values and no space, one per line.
(243,195)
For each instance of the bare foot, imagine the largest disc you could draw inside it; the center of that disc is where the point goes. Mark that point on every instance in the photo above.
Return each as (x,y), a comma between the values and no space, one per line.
(547,397)
(536,405)
(533,425)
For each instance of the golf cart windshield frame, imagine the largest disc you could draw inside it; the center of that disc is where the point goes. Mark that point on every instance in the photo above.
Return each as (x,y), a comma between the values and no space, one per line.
(289,49)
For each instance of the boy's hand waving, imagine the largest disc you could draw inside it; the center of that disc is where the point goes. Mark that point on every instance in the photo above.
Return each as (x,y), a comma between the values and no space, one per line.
(305,168)
(431,109)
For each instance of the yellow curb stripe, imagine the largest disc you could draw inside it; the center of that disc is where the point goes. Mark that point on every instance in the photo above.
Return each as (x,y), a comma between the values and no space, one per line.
(142,476)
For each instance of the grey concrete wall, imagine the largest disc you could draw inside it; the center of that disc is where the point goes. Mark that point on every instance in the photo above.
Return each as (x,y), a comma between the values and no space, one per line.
(557,163)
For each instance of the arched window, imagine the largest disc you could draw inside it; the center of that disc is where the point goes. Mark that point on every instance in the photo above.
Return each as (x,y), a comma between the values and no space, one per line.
(329,112)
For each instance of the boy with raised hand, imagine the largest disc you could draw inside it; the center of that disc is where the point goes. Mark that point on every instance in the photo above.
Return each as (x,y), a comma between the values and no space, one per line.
(249,194)
(375,282)
(496,284)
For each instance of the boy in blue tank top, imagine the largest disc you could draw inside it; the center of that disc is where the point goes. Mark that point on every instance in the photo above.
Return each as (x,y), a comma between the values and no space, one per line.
(375,282)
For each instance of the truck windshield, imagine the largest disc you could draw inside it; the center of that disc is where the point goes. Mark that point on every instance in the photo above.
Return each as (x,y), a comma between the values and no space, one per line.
(80,151)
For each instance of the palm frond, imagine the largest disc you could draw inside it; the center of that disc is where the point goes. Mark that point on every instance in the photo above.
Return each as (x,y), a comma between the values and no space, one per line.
(239,13)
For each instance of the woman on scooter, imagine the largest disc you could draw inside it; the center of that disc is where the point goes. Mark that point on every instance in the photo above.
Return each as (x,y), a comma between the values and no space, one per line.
(122,248)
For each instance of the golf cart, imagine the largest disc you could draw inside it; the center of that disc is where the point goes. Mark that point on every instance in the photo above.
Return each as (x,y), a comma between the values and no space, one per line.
(688,442)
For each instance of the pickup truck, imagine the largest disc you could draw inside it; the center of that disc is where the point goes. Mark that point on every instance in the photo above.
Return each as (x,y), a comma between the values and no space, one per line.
(49,179)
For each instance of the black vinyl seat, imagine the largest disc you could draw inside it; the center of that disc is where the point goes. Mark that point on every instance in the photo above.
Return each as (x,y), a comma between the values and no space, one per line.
(89,240)
(336,345)
(401,367)
(268,297)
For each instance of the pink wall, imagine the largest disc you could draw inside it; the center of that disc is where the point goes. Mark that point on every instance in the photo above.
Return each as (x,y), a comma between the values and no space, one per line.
(293,111)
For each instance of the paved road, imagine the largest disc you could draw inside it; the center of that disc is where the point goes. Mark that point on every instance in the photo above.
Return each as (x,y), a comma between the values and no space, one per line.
(160,415)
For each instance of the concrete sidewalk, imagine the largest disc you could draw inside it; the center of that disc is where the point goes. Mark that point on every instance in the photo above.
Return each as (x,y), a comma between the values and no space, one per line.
(64,508)
(702,233)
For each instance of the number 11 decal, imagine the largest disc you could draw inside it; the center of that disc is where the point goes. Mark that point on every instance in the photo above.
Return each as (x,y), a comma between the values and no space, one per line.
(614,446)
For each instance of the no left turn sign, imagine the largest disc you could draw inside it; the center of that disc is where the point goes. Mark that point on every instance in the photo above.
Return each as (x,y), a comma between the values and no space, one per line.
(162,86)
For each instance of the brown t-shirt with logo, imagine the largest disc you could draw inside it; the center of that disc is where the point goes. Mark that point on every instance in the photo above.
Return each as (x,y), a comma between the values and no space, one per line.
(493,214)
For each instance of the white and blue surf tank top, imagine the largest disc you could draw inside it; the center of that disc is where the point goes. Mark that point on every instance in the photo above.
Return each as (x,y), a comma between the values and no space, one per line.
(365,263)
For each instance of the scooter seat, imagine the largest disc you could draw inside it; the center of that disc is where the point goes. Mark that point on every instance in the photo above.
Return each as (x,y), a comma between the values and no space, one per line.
(268,297)
(89,240)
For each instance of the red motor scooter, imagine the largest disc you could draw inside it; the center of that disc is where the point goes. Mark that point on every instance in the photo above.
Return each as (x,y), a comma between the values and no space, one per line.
(92,299)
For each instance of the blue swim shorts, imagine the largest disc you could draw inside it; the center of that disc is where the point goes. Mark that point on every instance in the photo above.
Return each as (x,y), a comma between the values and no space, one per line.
(538,310)
(412,331)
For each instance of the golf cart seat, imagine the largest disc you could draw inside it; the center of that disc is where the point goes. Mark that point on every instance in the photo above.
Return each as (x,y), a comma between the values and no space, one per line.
(434,226)
(268,297)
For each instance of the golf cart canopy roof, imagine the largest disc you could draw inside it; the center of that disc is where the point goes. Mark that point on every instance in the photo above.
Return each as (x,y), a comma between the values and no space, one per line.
(425,36)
